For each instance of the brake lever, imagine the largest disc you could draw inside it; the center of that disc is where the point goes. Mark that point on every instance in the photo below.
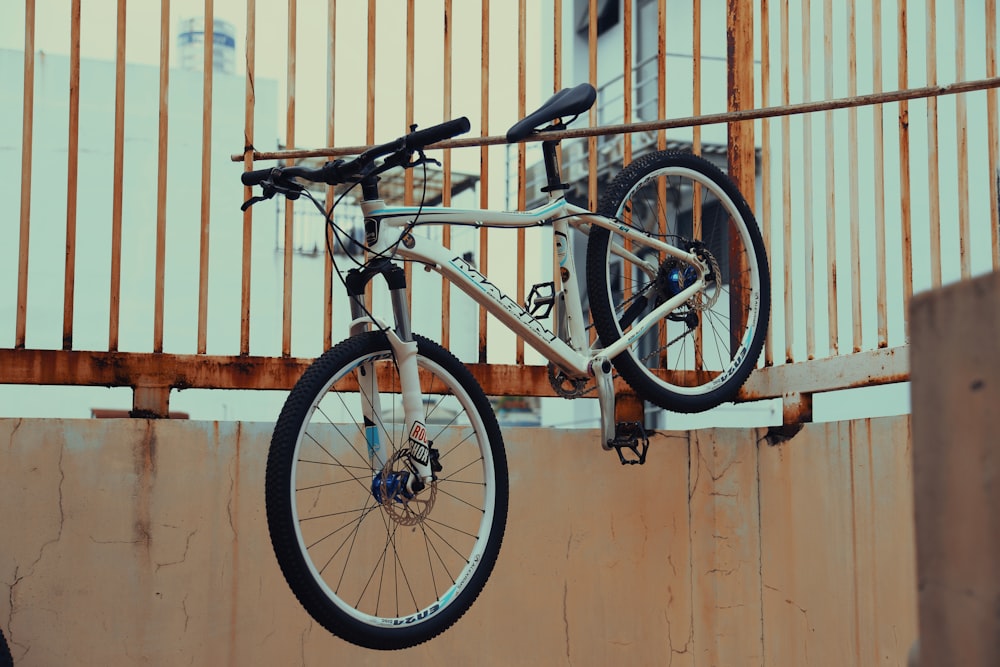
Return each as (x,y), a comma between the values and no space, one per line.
(422,159)
(270,188)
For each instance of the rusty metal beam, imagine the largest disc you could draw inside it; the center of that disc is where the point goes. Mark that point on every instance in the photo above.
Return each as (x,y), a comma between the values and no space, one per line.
(195,371)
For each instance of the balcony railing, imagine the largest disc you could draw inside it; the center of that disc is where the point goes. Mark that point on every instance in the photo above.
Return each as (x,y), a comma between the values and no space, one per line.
(872,164)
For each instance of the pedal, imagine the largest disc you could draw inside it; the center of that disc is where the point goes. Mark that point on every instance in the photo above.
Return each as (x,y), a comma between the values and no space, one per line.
(542,296)
(630,436)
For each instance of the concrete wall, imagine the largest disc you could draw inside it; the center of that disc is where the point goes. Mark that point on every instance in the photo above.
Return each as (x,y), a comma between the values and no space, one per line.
(144,542)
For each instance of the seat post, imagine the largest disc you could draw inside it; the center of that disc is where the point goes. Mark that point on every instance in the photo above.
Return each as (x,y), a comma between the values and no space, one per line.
(552,174)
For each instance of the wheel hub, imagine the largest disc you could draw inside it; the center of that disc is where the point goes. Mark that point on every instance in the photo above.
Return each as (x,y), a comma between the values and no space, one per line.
(401,493)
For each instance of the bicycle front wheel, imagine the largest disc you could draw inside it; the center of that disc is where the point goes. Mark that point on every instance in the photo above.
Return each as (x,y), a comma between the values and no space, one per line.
(701,353)
(371,564)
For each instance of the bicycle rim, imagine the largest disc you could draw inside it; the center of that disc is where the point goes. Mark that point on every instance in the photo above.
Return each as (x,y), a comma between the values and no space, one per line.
(373,566)
(700,354)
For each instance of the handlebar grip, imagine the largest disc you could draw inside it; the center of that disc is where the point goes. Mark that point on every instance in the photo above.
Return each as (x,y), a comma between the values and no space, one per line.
(436,133)
(256,176)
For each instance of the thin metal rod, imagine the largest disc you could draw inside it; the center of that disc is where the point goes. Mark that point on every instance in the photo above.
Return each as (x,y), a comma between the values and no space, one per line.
(831,184)
(993,133)
(484,160)
(289,221)
(902,80)
(206,172)
(161,178)
(933,163)
(853,177)
(808,240)
(767,205)
(786,188)
(878,129)
(408,113)
(72,171)
(116,179)
(28,111)
(331,98)
(962,135)
(249,105)
(854,101)
(446,168)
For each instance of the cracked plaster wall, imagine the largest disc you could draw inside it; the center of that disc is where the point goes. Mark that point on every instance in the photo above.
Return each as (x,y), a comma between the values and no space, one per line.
(144,542)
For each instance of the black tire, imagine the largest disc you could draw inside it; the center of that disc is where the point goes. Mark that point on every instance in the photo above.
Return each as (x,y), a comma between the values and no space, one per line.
(393,574)
(695,358)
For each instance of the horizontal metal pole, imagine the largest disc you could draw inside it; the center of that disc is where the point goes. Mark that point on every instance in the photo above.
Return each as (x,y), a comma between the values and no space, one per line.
(656,125)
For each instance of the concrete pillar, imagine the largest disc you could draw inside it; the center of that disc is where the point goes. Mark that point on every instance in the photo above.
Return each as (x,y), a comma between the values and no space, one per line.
(955,373)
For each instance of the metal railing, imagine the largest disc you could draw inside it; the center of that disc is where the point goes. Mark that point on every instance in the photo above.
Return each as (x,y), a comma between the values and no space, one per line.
(870,182)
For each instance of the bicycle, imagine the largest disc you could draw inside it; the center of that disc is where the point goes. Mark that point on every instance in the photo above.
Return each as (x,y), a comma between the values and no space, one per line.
(386,483)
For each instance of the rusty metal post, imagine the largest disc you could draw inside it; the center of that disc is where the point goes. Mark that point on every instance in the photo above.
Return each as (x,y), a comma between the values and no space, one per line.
(739,50)
(629,407)
(150,402)
(742,156)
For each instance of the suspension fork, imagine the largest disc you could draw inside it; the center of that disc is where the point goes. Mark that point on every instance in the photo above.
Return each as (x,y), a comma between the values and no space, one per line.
(404,349)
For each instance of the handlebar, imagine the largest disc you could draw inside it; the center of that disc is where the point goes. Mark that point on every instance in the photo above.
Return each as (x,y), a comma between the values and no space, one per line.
(340,171)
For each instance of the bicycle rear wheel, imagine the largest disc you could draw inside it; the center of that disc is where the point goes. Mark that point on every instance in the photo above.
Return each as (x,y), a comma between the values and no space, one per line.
(372,566)
(699,355)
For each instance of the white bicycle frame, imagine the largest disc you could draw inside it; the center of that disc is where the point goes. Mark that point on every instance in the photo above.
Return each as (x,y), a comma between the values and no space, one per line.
(567,347)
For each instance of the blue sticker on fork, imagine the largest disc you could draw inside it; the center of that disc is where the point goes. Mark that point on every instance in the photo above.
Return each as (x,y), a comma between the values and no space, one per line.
(371,437)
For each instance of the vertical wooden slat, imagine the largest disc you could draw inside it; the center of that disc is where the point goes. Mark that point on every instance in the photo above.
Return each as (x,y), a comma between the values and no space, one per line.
(116,179)
(808,242)
(72,170)
(446,176)
(766,206)
(521,162)
(904,157)
(206,171)
(161,178)
(286,298)
(962,136)
(993,133)
(831,185)
(852,148)
(484,161)
(249,105)
(28,110)
(878,123)
(786,188)
(933,163)
(331,78)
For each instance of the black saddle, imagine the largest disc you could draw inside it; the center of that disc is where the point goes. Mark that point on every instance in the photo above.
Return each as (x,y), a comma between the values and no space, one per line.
(567,102)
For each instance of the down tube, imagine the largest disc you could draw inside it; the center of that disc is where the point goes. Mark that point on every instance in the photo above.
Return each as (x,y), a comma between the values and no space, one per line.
(461,273)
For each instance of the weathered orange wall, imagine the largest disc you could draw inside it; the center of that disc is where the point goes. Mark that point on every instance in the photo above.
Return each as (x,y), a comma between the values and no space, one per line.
(144,542)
